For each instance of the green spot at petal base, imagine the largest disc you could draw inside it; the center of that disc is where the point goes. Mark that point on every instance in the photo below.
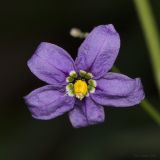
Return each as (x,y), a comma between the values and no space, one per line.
(82,73)
(88,76)
(70,79)
(73,74)
(92,83)
(91,89)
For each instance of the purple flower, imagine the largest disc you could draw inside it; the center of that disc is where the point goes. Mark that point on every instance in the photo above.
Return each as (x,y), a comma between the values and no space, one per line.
(82,87)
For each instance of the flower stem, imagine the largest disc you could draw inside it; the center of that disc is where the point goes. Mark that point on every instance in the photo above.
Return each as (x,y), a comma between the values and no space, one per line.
(151,35)
(146,105)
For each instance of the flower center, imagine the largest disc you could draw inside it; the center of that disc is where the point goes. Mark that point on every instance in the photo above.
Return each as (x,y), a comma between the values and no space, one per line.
(80,84)
(80,89)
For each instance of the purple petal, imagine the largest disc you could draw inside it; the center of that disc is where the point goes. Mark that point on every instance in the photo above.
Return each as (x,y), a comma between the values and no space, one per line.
(118,90)
(99,50)
(51,63)
(86,113)
(48,102)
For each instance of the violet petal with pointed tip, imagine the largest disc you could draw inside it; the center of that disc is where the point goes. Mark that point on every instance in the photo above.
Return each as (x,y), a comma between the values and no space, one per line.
(99,50)
(86,113)
(48,102)
(118,90)
(49,63)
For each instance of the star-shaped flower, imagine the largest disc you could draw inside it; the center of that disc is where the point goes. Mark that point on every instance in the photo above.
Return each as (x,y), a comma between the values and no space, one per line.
(82,87)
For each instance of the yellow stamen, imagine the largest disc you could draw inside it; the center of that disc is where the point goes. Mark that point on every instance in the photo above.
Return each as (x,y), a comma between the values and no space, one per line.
(80,89)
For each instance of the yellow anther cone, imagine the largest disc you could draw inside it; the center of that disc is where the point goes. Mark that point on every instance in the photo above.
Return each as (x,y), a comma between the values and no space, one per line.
(80,89)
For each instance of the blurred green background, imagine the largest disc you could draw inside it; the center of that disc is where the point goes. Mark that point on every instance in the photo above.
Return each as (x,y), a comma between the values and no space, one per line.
(128,133)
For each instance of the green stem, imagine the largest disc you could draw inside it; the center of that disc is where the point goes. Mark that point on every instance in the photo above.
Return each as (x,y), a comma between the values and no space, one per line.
(151,35)
(146,105)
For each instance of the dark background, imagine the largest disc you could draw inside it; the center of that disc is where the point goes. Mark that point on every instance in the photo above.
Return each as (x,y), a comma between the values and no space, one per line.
(128,133)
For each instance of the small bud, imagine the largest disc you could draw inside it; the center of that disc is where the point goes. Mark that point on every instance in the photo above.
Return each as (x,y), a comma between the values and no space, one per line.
(75,32)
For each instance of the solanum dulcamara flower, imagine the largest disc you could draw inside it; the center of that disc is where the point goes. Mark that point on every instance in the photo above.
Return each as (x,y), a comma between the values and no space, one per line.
(81,87)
